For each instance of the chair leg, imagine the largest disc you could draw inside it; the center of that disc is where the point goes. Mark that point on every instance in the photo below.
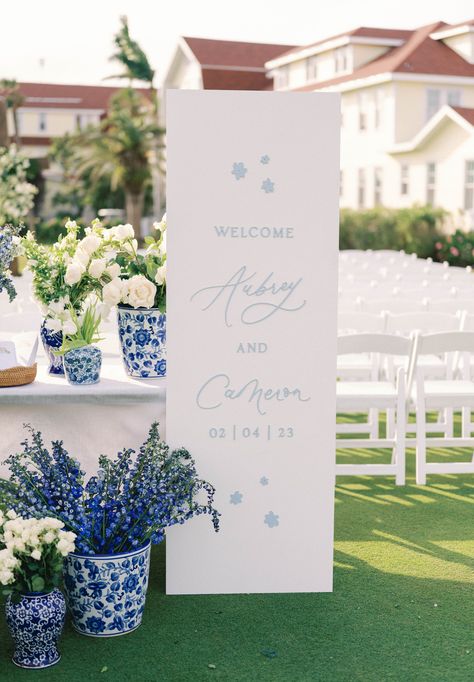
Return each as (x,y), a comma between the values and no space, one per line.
(390,423)
(374,423)
(420,443)
(399,449)
(466,422)
(448,416)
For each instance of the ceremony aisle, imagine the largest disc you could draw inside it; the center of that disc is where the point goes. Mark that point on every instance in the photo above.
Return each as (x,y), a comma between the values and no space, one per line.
(401,607)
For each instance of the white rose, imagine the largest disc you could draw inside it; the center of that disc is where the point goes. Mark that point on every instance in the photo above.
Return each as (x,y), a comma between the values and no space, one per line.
(140,292)
(50,522)
(123,231)
(74,272)
(82,257)
(69,328)
(6,577)
(53,325)
(49,537)
(131,247)
(160,276)
(64,547)
(113,270)
(97,267)
(112,292)
(36,554)
(90,243)
(11,514)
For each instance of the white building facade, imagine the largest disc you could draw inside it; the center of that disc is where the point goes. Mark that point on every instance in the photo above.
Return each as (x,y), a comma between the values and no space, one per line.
(407,101)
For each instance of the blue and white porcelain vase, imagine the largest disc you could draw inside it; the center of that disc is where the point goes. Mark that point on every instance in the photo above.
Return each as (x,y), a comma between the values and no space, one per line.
(142,334)
(82,365)
(35,623)
(51,342)
(106,593)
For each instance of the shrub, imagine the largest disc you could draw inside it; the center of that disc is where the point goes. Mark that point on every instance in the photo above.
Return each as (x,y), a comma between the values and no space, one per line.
(457,248)
(415,229)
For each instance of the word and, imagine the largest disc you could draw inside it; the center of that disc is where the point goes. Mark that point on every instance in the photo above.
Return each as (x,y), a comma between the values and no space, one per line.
(250,347)
(218,388)
(277,296)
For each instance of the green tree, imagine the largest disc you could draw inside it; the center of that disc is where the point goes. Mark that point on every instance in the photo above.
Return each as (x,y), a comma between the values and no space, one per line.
(13,100)
(120,150)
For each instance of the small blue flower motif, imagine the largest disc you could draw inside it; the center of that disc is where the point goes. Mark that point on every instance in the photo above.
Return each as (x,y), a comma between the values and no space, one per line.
(272,520)
(141,337)
(264,480)
(236,498)
(238,170)
(268,186)
(265,159)
(130,583)
(95,624)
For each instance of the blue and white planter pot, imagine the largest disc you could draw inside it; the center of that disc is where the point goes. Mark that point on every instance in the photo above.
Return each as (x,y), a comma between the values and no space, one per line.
(106,593)
(82,365)
(142,335)
(51,342)
(35,624)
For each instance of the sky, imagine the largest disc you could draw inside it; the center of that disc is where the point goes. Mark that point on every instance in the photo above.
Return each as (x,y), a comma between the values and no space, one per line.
(66,41)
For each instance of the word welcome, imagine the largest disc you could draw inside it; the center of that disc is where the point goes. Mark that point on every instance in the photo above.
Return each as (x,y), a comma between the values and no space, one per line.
(254,232)
(234,293)
(218,388)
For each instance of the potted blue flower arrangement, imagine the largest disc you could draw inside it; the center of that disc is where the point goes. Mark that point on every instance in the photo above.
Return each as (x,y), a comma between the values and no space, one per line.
(116,515)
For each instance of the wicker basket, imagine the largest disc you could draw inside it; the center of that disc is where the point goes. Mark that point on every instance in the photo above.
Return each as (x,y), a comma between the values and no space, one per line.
(17,376)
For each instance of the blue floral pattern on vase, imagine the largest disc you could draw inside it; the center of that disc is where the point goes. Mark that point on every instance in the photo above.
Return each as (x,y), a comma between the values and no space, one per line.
(35,624)
(51,342)
(106,593)
(142,334)
(82,365)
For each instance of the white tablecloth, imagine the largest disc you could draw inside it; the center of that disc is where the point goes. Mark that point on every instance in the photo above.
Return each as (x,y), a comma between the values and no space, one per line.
(103,418)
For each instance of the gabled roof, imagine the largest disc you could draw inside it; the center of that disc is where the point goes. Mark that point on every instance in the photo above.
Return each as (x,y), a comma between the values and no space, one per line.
(461,116)
(360,32)
(61,96)
(418,54)
(209,52)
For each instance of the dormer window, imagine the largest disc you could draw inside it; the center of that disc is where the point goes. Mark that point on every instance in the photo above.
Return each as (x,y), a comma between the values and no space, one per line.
(312,69)
(341,59)
(281,78)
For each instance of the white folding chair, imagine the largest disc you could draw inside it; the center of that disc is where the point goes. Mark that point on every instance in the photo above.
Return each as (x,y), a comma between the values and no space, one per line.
(438,394)
(451,305)
(394,305)
(365,396)
(357,322)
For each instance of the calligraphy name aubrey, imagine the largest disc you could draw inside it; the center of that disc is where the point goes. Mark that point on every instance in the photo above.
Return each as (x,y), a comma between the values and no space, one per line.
(218,388)
(235,292)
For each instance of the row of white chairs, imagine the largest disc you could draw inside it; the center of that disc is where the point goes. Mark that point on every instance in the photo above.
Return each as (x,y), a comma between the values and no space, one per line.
(398,384)
(406,305)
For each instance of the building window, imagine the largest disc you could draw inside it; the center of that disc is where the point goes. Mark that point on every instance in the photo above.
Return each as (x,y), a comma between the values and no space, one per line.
(377,186)
(341,59)
(377,108)
(42,122)
(453,98)
(281,78)
(430,183)
(433,102)
(361,187)
(404,179)
(469,186)
(312,69)
(362,107)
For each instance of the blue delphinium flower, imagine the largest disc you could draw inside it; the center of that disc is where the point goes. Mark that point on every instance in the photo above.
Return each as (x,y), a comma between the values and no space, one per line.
(131,499)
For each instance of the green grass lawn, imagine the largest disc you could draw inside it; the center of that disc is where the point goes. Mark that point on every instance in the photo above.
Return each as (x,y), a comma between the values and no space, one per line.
(402,607)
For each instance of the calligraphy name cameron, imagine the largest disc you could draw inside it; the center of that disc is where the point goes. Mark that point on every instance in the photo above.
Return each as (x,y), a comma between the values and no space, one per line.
(253,232)
(218,388)
(274,296)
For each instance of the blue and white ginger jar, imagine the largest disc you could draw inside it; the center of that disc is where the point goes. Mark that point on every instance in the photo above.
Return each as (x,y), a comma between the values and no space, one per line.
(82,365)
(106,593)
(142,335)
(35,623)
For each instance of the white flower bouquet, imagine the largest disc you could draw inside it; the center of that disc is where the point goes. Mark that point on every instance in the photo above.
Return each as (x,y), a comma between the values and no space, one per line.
(32,553)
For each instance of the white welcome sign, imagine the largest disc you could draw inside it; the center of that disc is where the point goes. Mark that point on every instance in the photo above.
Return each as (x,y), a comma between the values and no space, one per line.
(252,208)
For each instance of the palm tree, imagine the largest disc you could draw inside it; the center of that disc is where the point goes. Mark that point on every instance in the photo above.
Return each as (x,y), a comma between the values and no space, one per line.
(120,149)
(13,100)
(137,67)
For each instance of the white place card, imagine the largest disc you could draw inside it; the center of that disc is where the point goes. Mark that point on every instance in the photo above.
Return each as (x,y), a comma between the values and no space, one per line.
(252,210)
(8,356)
